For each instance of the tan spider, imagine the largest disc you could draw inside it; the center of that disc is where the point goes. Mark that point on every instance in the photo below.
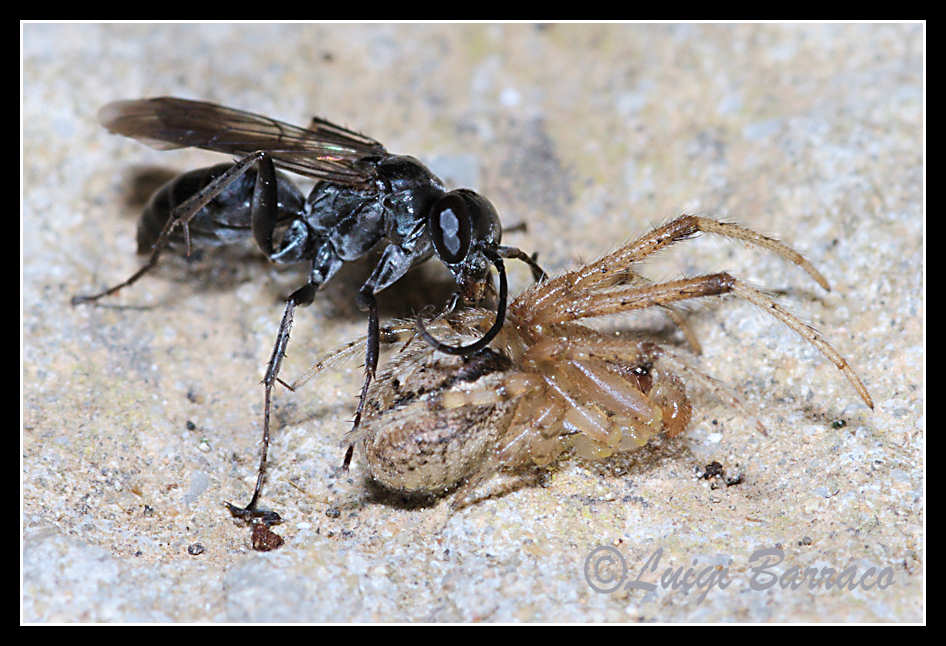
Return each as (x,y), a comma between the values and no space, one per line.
(545,383)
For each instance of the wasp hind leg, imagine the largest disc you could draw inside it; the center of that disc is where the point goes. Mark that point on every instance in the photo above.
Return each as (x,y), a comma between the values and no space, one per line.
(264,209)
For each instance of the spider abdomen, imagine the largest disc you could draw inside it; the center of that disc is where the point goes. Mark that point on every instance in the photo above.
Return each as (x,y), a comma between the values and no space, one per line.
(416,439)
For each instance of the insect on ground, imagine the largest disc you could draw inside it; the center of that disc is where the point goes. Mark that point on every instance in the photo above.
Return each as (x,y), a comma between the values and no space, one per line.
(365,198)
(434,420)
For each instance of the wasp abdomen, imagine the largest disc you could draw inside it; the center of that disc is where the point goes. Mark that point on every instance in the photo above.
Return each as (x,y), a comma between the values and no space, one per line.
(227,217)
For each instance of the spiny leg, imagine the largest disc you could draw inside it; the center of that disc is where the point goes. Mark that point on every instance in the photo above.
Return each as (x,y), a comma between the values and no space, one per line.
(688,225)
(302,296)
(372,349)
(623,300)
(183,213)
(680,321)
(602,272)
(632,279)
(388,335)
(806,331)
(500,483)
(525,305)
(675,315)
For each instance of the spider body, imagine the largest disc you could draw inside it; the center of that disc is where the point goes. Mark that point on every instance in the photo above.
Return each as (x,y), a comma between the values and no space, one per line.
(546,383)
(435,420)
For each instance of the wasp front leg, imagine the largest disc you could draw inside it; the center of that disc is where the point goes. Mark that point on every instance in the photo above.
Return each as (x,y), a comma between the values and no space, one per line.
(395,261)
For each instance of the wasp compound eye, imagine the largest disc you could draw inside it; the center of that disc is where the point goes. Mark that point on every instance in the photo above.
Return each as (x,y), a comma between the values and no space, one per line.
(450,228)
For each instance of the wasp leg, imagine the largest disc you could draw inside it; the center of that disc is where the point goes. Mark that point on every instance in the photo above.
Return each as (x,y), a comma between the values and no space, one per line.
(394,263)
(324,266)
(372,349)
(302,296)
(185,212)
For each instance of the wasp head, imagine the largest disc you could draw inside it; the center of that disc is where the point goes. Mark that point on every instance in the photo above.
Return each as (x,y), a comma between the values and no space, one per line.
(463,226)
(465,230)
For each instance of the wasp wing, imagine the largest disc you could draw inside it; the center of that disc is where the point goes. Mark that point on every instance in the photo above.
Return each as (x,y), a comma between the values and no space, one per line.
(323,151)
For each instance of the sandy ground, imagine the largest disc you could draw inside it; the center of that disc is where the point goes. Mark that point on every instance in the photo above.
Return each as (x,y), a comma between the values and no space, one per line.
(141,416)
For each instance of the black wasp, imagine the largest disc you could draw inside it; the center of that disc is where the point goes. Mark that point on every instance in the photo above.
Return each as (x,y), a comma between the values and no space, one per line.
(365,198)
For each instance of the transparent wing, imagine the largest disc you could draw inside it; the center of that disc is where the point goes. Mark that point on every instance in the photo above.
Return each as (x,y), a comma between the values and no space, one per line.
(322,151)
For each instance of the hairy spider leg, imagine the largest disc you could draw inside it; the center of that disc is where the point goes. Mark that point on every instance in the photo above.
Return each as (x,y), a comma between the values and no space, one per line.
(614,267)
(622,300)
